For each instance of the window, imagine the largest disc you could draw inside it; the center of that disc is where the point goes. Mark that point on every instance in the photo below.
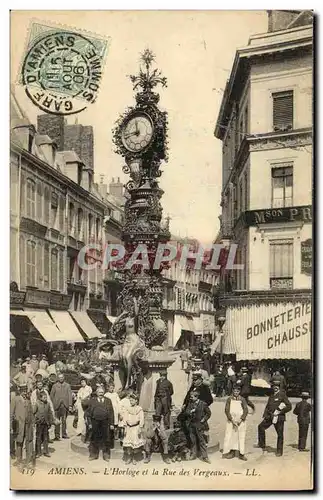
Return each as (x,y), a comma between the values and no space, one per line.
(281,264)
(90,219)
(80,223)
(240,208)
(234,200)
(54,269)
(282,187)
(31,199)
(31,263)
(61,270)
(246,191)
(53,210)
(97,228)
(283,110)
(71,220)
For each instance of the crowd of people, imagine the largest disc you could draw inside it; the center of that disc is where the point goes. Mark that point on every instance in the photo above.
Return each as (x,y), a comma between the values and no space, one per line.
(42,399)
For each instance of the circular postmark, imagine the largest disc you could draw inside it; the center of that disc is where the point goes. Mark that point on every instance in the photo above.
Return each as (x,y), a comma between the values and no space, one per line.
(61,72)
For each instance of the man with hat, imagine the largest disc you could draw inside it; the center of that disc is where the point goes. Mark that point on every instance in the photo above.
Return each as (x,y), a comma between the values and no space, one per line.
(236,411)
(23,379)
(275,414)
(194,417)
(34,363)
(303,410)
(29,368)
(245,382)
(22,418)
(62,399)
(163,398)
(43,364)
(202,389)
(98,380)
(155,440)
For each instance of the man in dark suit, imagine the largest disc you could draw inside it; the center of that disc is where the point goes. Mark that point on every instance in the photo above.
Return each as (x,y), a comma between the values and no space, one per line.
(62,399)
(163,398)
(195,417)
(22,421)
(275,414)
(303,410)
(101,415)
(202,389)
(245,384)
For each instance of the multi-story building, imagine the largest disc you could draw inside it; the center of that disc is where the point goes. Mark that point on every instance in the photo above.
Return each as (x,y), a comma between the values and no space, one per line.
(265,125)
(56,209)
(188,304)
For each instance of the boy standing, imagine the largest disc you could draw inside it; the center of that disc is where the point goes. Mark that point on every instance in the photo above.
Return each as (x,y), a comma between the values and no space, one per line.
(303,410)
(43,419)
(177,443)
(196,414)
(163,398)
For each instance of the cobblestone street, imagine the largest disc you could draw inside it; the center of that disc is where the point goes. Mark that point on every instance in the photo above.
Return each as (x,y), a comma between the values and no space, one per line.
(258,467)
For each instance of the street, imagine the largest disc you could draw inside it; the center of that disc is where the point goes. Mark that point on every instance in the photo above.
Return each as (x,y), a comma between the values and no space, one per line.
(262,470)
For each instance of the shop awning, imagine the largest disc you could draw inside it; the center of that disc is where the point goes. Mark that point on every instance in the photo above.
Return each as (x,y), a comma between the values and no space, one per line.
(89,328)
(269,331)
(67,327)
(43,323)
(12,340)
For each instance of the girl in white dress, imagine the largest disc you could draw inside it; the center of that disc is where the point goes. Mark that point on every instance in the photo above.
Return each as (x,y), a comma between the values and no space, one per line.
(236,411)
(133,421)
(83,393)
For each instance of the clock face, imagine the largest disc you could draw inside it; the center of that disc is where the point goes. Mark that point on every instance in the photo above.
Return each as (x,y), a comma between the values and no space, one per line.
(137,133)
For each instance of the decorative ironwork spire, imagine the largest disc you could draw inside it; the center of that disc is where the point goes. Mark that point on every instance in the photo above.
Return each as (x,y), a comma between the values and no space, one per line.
(145,79)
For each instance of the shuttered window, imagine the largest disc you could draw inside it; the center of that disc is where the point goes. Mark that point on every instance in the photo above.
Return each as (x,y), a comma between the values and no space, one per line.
(283,110)
(39,207)
(61,270)
(40,261)
(31,263)
(22,261)
(281,264)
(46,266)
(31,199)
(282,186)
(62,214)
(46,205)
(54,269)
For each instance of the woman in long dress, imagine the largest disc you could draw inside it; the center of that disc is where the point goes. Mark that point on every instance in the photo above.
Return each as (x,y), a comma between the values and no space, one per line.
(133,419)
(236,411)
(83,393)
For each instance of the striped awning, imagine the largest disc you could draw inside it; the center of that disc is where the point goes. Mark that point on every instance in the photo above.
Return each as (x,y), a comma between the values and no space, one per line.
(43,323)
(66,325)
(88,327)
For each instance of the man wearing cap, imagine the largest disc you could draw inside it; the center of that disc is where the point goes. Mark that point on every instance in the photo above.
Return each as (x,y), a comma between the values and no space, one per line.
(303,410)
(245,384)
(98,380)
(279,379)
(194,418)
(163,398)
(155,440)
(202,389)
(275,414)
(34,363)
(23,379)
(29,368)
(43,364)
(100,413)
(21,416)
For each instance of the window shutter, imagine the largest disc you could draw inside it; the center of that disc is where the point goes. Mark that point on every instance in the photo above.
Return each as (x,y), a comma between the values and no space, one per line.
(22,260)
(39,202)
(23,195)
(61,270)
(39,264)
(46,265)
(283,110)
(46,204)
(53,284)
(62,214)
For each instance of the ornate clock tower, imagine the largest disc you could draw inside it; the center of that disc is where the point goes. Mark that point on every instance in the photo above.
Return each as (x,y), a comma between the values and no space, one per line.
(140,137)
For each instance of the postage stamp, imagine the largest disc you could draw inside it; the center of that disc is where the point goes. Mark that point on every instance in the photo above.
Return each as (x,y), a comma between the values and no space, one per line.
(62,68)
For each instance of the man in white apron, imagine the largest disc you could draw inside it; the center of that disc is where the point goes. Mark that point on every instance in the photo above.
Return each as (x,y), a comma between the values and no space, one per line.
(236,411)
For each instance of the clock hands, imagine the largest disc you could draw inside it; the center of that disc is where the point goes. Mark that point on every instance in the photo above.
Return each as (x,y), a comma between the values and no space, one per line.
(130,135)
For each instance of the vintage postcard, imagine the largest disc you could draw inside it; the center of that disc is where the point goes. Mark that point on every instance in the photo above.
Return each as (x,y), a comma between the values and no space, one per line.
(161,250)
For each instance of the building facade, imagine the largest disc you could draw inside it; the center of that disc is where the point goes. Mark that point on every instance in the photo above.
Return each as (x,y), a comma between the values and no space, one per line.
(265,125)
(55,210)
(188,304)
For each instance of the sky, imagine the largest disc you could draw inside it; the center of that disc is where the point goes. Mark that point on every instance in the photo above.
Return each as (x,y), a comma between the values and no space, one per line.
(195,51)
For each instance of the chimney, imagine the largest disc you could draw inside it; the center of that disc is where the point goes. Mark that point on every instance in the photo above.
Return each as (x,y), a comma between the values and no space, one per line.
(23,133)
(116,188)
(79,138)
(47,148)
(53,126)
(281,19)
(102,187)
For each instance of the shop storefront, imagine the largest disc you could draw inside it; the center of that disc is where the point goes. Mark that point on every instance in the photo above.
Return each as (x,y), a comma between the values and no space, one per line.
(183,331)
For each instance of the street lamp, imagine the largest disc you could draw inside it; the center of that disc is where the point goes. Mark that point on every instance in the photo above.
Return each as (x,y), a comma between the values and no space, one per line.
(221,321)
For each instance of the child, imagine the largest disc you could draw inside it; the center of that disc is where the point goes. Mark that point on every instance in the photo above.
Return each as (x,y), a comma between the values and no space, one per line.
(177,443)
(115,400)
(155,440)
(195,416)
(302,410)
(124,404)
(43,419)
(236,411)
(133,420)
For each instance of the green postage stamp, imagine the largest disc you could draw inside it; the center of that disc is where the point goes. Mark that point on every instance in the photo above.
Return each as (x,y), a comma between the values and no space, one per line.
(62,68)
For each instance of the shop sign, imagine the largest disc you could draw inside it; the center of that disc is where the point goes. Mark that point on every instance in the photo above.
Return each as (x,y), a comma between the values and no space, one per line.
(60,301)
(270,331)
(306,257)
(272,215)
(37,298)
